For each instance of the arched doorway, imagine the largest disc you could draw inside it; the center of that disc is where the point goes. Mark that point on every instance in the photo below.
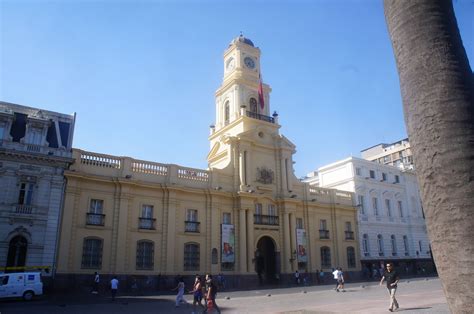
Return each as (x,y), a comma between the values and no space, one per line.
(266,260)
(17,252)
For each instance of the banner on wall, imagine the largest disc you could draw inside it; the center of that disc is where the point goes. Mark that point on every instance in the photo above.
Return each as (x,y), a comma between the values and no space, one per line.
(301,243)
(228,243)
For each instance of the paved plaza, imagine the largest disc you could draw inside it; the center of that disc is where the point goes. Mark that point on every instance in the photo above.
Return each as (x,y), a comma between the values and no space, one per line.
(414,296)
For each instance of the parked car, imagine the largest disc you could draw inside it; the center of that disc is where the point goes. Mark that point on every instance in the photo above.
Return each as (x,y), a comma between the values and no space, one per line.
(21,285)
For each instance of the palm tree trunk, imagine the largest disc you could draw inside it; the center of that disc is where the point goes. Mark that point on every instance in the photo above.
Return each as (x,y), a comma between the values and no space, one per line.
(436,84)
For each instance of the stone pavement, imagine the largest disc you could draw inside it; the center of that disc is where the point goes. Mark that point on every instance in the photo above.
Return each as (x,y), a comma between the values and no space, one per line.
(414,296)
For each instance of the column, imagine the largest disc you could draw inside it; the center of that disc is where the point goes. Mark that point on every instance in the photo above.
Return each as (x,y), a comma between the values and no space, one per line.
(250,240)
(293,239)
(241,170)
(286,235)
(242,241)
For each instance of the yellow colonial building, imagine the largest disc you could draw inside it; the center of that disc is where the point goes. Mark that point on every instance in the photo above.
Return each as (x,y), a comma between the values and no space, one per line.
(247,216)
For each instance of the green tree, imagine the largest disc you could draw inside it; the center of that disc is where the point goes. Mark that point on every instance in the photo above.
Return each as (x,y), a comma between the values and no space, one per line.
(436,85)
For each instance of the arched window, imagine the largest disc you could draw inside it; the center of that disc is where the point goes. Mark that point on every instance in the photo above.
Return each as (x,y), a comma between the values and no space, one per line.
(365,244)
(226,113)
(214,256)
(92,253)
(191,256)
(405,243)
(394,245)
(145,254)
(380,244)
(253,105)
(325,257)
(351,259)
(17,252)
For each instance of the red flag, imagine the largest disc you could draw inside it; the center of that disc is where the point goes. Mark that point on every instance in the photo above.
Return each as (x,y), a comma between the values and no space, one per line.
(261,99)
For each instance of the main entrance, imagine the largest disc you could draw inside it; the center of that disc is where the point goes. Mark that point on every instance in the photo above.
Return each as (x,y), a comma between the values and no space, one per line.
(266,261)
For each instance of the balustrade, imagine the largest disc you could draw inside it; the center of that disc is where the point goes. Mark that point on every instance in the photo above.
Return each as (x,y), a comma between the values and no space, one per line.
(95,219)
(266,220)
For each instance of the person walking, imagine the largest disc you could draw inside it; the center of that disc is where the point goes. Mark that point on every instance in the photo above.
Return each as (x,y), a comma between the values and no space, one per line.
(114,284)
(297,277)
(211,294)
(392,277)
(340,280)
(321,276)
(197,293)
(180,288)
(95,284)
(334,274)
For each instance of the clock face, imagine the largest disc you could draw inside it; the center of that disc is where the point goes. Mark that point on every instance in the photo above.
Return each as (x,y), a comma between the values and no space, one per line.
(230,64)
(249,62)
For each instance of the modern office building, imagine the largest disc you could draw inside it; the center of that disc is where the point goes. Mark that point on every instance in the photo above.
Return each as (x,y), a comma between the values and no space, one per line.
(246,216)
(396,154)
(35,150)
(390,214)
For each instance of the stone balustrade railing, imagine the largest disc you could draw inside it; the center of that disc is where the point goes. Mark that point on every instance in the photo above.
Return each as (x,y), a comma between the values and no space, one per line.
(134,169)
(34,148)
(324,195)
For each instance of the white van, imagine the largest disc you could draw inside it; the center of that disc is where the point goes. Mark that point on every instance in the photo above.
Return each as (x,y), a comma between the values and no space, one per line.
(20,285)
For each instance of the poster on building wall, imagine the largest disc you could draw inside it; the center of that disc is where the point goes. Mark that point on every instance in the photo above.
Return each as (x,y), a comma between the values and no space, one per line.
(301,241)
(228,243)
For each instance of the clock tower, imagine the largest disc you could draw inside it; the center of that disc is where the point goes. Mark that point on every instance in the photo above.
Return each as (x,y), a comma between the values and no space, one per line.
(245,140)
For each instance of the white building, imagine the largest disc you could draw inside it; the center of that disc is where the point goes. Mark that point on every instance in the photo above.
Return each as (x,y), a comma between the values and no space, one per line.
(35,148)
(390,216)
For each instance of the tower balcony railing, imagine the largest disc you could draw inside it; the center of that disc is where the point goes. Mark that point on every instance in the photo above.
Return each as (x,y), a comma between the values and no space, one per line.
(191,226)
(266,220)
(258,116)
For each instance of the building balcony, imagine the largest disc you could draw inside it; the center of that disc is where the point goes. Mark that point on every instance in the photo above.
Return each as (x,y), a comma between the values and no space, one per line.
(324,234)
(146,223)
(262,117)
(95,219)
(265,220)
(349,235)
(23,209)
(191,226)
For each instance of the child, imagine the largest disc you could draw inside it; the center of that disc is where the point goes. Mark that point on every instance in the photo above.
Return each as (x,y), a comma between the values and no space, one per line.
(180,288)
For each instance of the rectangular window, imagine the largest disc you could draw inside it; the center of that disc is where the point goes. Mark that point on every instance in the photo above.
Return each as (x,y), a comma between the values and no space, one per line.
(272,210)
(389,208)
(372,174)
(361,204)
(358,171)
(147,211)
(384,176)
(191,224)
(258,209)
(400,208)
(348,226)
(323,224)
(146,220)
(2,131)
(25,196)
(191,215)
(397,179)
(226,218)
(35,136)
(299,223)
(375,206)
(421,247)
(96,206)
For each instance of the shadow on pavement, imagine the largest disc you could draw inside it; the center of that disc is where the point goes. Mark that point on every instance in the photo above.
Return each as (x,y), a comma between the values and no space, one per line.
(413,308)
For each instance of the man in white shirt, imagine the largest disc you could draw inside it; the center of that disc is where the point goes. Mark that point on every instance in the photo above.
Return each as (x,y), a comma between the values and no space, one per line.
(95,287)
(334,273)
(114,283)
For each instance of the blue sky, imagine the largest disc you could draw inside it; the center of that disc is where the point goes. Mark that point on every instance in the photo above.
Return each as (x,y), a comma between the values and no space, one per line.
(141,75)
